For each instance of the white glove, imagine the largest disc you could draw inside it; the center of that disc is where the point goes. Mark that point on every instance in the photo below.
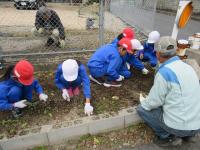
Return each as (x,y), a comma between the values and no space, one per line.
(40,30)
(65,95)
(43,97)
(88,109)
(62,43)
(55,32)
(145,71)
(20,104)
(128,66)
(120,78)
(142,98)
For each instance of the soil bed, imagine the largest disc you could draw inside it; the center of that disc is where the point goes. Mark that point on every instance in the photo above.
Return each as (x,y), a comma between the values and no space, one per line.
(56,110)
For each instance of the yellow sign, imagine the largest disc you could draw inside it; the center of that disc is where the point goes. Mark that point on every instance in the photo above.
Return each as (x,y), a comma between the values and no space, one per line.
(185,15)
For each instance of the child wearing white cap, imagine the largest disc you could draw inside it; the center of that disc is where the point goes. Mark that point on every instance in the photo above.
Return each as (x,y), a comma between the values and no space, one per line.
(70,75)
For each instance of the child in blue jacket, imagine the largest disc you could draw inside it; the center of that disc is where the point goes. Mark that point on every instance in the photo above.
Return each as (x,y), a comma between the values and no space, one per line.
(126,33)
(106,64)
(149,53)
(132,60)
(70,76)
(17,87)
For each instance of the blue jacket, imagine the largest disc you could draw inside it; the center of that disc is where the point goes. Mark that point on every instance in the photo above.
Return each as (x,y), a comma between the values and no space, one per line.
(133,61)
(115,41)
(61,83)
(149,48)
(107,57)
(20,91)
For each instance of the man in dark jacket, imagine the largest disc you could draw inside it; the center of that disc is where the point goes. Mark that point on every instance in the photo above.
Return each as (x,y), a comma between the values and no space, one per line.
(47,22)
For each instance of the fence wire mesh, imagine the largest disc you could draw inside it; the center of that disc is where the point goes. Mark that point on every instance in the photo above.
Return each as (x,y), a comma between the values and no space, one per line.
(31,26)
(74,24)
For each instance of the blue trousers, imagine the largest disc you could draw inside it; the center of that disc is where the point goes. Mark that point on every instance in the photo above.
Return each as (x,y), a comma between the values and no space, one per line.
(154,119)
(151,58)
(101,72)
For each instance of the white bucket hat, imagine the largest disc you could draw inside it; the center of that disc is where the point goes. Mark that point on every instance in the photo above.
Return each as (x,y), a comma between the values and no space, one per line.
(136,44)
(70,70)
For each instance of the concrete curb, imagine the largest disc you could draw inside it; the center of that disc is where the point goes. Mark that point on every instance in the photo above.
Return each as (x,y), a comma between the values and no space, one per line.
(86,125)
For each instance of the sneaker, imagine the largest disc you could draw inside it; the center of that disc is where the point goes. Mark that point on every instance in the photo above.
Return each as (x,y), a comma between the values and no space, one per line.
(171,141)
(70,92)
(112,83)
(99,81)
(16,113)
(76,91)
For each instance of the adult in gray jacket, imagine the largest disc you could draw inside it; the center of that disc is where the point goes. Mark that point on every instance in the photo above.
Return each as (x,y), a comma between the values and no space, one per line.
(47,22)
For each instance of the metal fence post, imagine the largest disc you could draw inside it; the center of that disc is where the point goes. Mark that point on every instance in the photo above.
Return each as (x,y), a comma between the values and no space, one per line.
(101,22)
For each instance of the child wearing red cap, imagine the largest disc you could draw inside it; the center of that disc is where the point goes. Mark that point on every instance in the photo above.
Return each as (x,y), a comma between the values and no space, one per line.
(126,33)
(16,87)
(106,65)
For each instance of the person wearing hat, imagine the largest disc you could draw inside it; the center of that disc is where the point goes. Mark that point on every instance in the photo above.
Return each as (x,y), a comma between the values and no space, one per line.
(17,86)
(172,106)
(126,33)
(148,53)
(106,64)
(130,59)
(47,22)
(70,76)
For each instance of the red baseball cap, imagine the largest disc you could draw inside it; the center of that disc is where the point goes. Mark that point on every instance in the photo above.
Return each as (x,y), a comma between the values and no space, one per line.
(24,72)
(126,43)
(129,33)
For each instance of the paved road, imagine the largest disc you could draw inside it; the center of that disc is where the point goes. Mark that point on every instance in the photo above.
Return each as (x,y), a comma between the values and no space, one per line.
(164,24)
(147,20)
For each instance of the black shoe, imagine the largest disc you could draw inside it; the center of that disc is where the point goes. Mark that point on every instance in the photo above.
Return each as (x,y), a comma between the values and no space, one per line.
(112,83)
(50,42)
(16,113)
(99,81)
(171,141)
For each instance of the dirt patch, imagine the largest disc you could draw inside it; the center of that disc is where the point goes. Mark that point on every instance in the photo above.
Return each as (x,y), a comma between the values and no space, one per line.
(122,139)
(56,110)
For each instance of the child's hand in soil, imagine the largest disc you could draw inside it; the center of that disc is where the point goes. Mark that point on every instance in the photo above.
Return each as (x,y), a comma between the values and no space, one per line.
(20,104)
(88,109)
(65,95)
(43,97)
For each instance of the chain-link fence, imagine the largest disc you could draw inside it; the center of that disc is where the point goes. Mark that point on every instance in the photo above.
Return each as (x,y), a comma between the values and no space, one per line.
(32,26)
(66,25)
